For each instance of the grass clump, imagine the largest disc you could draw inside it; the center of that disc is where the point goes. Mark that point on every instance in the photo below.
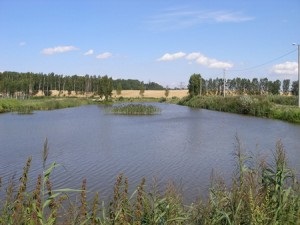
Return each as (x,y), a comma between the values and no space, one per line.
(135,109)
(261,192)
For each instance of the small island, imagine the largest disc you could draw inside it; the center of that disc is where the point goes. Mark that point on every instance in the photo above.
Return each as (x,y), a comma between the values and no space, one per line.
(135,109)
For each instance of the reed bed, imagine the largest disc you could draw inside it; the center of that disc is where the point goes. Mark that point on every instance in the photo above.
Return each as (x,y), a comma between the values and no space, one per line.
(27,106)
(275,107)
(260,193)
(135,109)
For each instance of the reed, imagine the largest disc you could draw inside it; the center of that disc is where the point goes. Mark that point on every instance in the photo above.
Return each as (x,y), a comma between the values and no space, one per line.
(260,106)
(135,109)
(261,192)
(27,106)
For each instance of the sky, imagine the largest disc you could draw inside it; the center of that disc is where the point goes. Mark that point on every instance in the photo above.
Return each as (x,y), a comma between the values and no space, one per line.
(163,41)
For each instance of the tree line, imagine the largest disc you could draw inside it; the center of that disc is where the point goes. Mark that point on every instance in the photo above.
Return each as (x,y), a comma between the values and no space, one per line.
(28,84)
(197,86)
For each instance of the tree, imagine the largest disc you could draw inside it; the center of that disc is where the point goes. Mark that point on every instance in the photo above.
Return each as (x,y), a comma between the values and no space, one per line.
(295,88)
(142,89)
(167,92)
(274,87)
(264,85)
(105,87)
(119,88)
(286,86)
(194,85)
(255,87)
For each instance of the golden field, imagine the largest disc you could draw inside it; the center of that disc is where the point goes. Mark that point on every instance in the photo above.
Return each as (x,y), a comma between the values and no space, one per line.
(150,93)
(127,94)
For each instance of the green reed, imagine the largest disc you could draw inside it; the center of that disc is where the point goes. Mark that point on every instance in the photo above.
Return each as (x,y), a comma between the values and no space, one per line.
(275,107)
(27,106)
(135,109)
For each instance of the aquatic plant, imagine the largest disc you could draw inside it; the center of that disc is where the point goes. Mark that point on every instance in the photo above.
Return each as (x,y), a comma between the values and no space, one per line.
(135,109)
(27,106)
(260,106)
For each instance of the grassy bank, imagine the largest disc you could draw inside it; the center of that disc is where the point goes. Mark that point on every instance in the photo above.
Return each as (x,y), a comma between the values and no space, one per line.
(42,103)
(260,106)
(260,193)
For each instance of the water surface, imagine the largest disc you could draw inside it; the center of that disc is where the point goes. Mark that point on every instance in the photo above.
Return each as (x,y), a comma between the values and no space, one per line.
(181,144)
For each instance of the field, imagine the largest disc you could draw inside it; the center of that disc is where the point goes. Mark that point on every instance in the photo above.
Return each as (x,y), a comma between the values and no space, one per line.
(126,94)
(151,94)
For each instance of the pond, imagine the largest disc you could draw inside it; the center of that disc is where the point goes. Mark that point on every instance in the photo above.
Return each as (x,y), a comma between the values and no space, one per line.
(180,144)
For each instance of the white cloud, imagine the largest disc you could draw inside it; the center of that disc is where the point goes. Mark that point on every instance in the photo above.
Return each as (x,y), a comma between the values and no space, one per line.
(198,58)
(58,49)
(89,52)
(209,62)
(22,43)
(180,18)
(193,56)
(171,57)
(229,17)
(104,55)
(287,68)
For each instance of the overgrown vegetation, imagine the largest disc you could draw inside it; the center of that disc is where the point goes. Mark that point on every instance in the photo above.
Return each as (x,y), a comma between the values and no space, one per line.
(260,106)
(135,109)
(261,192)
(29,105)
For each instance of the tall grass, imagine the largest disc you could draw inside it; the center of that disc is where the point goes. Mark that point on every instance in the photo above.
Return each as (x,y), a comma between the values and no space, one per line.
(260,106)
(261,192)
(26,106)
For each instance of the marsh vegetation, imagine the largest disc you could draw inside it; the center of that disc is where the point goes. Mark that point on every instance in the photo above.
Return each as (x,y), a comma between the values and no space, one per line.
(27,106)
(276,107)
(135,109)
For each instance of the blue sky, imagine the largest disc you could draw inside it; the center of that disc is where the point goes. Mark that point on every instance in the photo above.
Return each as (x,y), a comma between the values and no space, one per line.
(151,40)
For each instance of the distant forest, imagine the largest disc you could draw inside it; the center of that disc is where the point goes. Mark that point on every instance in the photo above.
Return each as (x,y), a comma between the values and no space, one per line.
(28,84)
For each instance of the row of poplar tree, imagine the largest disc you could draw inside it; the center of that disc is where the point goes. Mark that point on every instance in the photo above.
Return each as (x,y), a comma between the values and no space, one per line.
(241,86)
(29,84)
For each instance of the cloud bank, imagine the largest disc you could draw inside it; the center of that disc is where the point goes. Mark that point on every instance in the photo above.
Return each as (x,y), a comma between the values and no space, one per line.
(198,58)
(287,68)
(58,49)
